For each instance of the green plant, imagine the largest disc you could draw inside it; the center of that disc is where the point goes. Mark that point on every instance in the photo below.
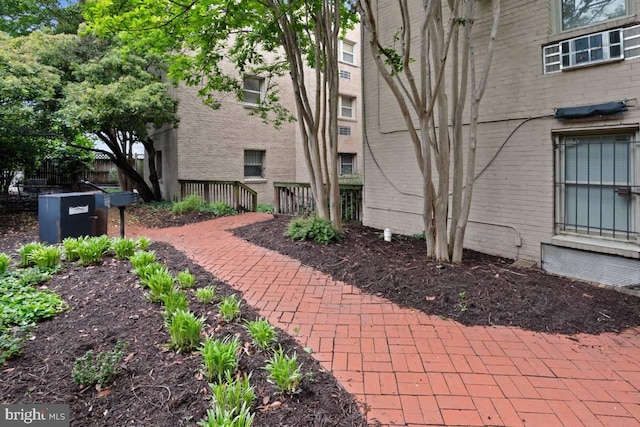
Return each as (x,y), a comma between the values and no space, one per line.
(233,393)
(33,276)
(192,203)
(186,279)
(70,245)
(229,308)
(123,247)
(317,229)
(185,330)
(25,253)
(221,209)
(220,358)
(99,369)
(462,296)
(46,256)
(264,208)
(4,263)
(142,258)
(284,371)
(145,271)
(143,243)
(220,417)
(160,283)
(174,300)
(91,250)
(262,333)
(206,295)
(11,340)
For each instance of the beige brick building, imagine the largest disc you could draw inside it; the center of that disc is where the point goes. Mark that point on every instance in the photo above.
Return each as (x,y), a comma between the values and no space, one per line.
(230,144)
(560,192)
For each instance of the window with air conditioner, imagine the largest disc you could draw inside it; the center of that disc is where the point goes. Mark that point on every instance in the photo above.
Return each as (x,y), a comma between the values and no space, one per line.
(254,164)
(253,88)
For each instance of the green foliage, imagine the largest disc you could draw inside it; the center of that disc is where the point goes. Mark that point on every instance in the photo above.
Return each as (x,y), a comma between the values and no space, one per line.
(143,243)
(99,369)
(123,247)
(91,250)
(284,371)
(264,208)
(220,358)
(220,417)
(142,258)
(11,340)
(185,330)
(25,253)
(317,229)
(4,263)
(186,279)
(173,301)
(160,283)
(233,394)
(206,295)
(192,203)
(32,276)
(221,209)
(229,308)
(145,272)
(70,245)
(73,162)
(262,333)
(46,257)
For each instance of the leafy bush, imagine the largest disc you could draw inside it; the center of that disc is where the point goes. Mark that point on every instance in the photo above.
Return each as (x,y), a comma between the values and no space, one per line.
(229,308)
(99,369)
(317,229)
(144,272)
(160,283)
(142,258)
(264,208)
(192,203)
(262,333)
(46,256)
(221,209)
(206,295)
(186,279)
(25,253)
(173,301)
(233,394)
(123,247)
(284,371)
(220,417)
(220,358)
(70,245)
(11,340)
(185,330)
(91,250)
(21,303)
(143,243)
(4,263)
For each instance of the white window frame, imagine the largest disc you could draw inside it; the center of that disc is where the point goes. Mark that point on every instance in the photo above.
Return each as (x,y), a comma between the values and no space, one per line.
(262,154)
(352,107)
(259,92)
(343,52)
(559,17)
(341,163)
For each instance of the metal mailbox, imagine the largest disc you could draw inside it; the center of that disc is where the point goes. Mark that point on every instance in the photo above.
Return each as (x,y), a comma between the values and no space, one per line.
(66,215)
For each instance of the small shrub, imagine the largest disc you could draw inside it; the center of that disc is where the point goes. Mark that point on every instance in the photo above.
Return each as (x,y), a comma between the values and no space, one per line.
(264,208)
(206,295)
(124,248)
(317,229)
(25,253)
(99,369)
(229,308)
(160,284)
(143,243)
(221,209)
(173,301)
(284,371)
(46,257)
(220,417)
(262,333)
(220,358)
(4,263)
(142,258)
(233,393)
(11,340)
(70,245)
(144,272)
(185,330)
(91,250)
(186,279)
(192,203)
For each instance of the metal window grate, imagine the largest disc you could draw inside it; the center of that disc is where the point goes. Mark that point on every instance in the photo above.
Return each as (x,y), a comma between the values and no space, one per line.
(254,163)
(344,74)
(344,130)
(594,187)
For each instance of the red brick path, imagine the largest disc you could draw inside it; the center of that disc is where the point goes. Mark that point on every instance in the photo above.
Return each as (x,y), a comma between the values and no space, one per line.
(412,369)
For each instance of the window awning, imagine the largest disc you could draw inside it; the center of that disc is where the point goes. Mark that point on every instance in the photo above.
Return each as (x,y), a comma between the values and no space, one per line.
(584,111)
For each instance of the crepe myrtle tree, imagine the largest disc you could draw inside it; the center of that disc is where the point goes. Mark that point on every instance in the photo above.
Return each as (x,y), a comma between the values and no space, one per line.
(429,64)
(260,38)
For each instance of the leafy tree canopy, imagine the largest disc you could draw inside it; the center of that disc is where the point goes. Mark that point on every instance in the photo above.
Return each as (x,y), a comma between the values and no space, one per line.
(21,17)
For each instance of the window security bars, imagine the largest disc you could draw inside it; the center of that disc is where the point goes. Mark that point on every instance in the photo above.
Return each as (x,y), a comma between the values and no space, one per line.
(254,164)
(344,130)
(344,74)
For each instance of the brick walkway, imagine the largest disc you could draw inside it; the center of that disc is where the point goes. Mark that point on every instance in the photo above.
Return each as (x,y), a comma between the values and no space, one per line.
(412,369)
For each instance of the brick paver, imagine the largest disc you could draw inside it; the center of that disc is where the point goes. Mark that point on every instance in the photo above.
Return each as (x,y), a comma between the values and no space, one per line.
(411,369)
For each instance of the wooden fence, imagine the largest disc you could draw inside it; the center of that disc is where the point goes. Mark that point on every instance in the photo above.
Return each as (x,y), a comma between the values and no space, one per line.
(104,172)
(295,198)
(234,193)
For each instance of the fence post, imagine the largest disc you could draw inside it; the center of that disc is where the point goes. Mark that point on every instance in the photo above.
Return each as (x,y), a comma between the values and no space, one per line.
(236,196)
(276,200)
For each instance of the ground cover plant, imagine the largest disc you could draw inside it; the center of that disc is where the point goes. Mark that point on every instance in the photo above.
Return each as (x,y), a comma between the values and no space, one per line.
(153,385)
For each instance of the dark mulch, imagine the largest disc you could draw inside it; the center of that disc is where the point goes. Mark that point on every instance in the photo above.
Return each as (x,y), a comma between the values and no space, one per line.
(484,290)
(156,387)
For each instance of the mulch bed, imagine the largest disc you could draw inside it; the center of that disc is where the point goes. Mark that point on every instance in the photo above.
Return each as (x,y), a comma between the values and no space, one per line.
(484,290)
(156,386)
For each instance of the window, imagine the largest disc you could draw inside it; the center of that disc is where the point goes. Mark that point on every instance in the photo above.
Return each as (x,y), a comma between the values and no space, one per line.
(159,164)
(580,13)
(594,187)
(347,164)
(253,87)
(347,52)
(344,74)
(254,163)
(347,105)
(344,130)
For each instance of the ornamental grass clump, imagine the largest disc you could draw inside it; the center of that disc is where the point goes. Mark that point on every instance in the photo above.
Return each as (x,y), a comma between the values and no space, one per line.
(220,358)
(143,243)
(262,333)
(46,257)
(98,369)
(142,258)
(234,393)
(123,247)
(317,229)
(186,279)
(173,301)
(284,371)
(160,284)
(206,295)
(229,308)
(185,330)
(220,417)
(4,263)
(25,253)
